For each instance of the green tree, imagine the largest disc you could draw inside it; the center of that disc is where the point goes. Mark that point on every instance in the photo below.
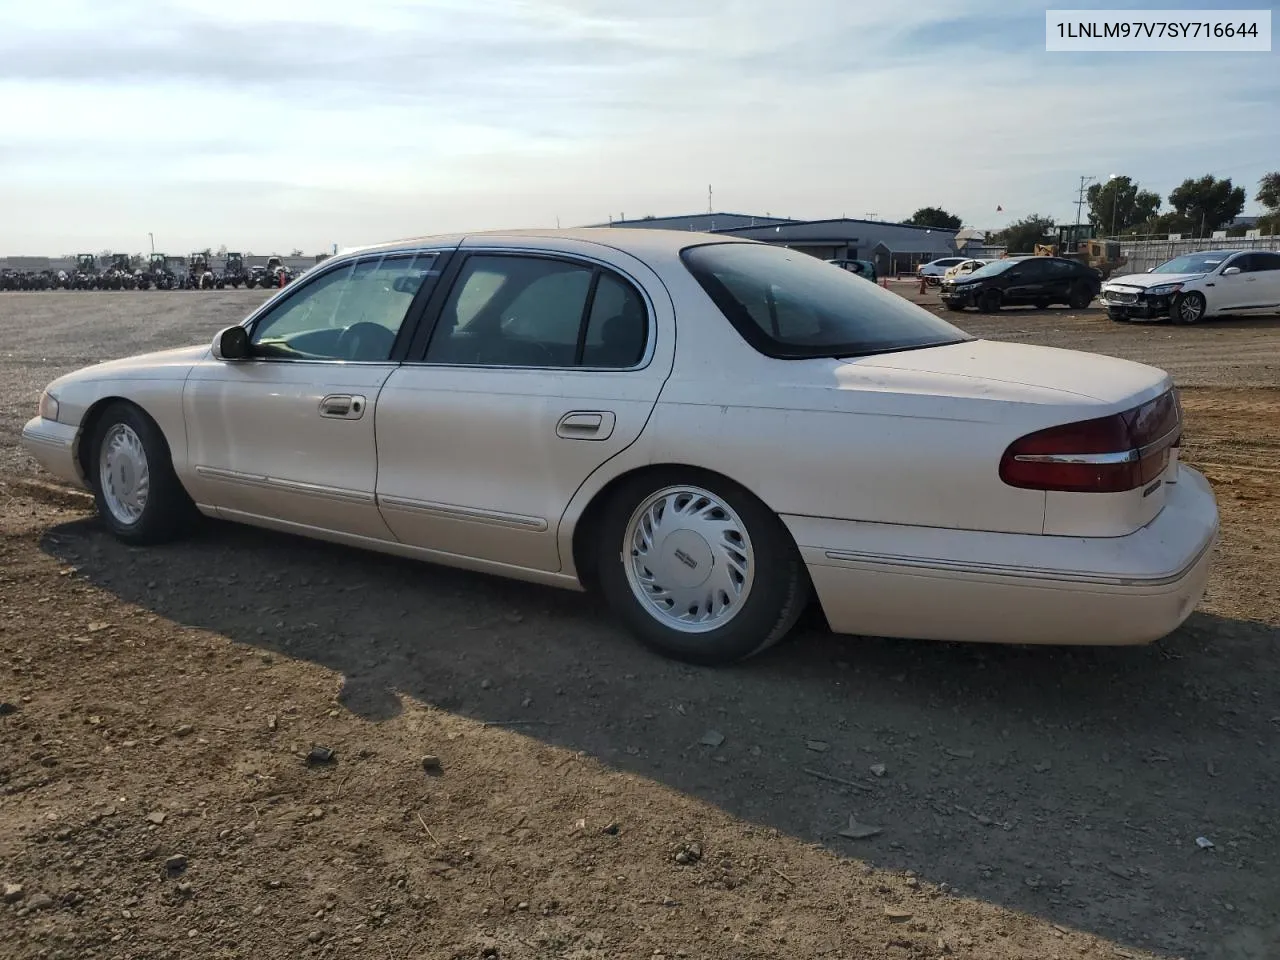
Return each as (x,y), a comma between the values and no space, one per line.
(934,217)
(1207,204)
(1021,236)
(1269,192)
(1119,204)
(1269,196)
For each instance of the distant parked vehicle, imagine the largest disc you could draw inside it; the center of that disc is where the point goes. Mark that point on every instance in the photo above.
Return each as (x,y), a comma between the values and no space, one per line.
(964,268)
(863,268)
(200,275)
(234,273)
(1023,281)
(1195,286)
(933,271)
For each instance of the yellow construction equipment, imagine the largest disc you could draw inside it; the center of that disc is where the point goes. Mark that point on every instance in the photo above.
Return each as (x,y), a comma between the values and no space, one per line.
(1103,255)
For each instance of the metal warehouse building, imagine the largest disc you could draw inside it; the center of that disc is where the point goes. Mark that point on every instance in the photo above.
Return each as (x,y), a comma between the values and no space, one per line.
(892,247)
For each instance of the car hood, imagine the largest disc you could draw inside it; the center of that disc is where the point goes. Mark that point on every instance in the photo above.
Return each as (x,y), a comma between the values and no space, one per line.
(1012,371)
(159,365)
(1145,280)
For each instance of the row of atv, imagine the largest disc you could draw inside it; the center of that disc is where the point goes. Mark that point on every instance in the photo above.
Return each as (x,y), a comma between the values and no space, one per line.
(161,272)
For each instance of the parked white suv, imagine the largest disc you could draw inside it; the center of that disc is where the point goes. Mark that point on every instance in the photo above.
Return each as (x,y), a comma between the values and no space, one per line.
(1189,288)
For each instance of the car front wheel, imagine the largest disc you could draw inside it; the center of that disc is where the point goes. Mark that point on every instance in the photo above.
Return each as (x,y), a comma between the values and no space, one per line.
(698,568)
(1188,308)
(989,302)
(139,497)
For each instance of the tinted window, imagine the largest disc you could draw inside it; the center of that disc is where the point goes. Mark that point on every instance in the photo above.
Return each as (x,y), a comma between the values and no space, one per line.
(1266,261)
(1063,268)
(616,327)
(353,312)
(533,311)
(1245,263)
(789,304)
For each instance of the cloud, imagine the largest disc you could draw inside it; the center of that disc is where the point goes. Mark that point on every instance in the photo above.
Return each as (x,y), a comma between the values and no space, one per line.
(300,123)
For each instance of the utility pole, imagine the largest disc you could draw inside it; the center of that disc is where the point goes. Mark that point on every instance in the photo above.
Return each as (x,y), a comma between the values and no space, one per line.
(153,242)
(710,208)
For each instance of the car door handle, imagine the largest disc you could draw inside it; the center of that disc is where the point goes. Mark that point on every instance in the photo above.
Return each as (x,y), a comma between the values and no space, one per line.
(342,406)
(585,425)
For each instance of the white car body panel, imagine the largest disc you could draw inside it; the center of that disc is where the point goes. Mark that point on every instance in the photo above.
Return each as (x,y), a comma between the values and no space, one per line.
(1246,292)
(884,468)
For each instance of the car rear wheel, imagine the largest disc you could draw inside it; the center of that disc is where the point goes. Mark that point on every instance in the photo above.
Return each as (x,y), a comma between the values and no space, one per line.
(139,497)
(1188,308)
(1081,296)
(698,568)
(989,302)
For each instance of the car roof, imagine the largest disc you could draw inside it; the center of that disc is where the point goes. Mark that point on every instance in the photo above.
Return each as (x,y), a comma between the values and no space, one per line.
(630,240)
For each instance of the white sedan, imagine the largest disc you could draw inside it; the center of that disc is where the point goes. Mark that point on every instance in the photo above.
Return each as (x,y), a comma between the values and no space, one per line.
(709,430)
(1196,286)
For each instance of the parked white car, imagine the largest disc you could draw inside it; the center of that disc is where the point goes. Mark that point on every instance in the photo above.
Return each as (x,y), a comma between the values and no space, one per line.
(964,268)
(936,268)
(709,429)
(1196,286)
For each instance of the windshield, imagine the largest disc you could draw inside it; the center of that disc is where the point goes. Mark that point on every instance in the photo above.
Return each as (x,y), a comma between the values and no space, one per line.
(790,304)
(1192,263)
(992,268)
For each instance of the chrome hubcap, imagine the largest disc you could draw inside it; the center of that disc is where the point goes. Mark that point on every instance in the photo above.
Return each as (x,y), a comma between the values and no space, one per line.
(1190,308)
(123,473)
(688,559)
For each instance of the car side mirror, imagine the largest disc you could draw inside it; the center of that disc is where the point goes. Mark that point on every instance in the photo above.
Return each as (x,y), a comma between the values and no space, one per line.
(1230,271)
(1151,269)
(231,344)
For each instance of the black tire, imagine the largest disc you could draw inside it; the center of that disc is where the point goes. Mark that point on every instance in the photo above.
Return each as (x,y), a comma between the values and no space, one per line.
(989,301)
(1187,308)
(1042,304)
(1080,297)
(1119,316)
(167,512)
(953,305)
(779,590)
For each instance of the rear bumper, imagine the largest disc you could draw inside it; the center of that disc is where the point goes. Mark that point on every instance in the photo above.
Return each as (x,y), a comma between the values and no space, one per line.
(930,583)
(53,445)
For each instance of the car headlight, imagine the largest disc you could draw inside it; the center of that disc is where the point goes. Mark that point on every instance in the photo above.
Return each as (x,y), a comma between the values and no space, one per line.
(1164,289)
(48,406)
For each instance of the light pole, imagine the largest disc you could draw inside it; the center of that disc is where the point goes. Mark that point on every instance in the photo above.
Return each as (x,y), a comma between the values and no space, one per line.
(152,237)
(1115,200)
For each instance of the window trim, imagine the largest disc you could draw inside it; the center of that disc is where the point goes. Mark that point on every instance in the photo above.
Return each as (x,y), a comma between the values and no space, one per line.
(417,355)
(412,317)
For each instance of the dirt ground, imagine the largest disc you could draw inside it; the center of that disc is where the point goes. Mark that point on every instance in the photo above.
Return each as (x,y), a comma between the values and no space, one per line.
(159,797)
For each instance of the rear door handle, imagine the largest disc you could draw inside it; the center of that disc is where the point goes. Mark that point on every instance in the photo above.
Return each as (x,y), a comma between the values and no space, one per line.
(586,425)
(342,406)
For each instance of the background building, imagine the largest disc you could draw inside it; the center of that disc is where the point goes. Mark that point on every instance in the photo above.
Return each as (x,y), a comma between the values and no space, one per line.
(892,247)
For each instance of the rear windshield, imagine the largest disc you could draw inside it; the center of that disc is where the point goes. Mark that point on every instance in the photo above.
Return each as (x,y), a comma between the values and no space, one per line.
(788,304)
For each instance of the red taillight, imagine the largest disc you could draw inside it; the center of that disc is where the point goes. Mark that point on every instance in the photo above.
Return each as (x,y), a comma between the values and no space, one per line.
(1107,455)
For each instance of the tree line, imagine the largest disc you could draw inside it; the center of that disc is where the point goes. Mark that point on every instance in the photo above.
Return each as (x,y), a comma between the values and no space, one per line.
(1121,208)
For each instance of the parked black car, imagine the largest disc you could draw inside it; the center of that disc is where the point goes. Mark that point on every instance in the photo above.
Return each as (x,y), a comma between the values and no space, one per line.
(1024,281)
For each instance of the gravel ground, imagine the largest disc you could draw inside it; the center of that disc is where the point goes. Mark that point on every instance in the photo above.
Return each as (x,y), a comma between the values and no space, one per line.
(592,800)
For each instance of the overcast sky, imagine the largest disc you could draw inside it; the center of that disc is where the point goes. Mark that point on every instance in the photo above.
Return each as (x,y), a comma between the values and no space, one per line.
(269,125)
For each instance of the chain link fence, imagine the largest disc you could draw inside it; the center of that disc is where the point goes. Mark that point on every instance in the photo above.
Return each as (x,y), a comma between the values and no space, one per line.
(1144,253)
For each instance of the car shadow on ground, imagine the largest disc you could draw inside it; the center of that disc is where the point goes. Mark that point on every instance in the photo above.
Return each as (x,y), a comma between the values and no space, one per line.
(1069,783)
